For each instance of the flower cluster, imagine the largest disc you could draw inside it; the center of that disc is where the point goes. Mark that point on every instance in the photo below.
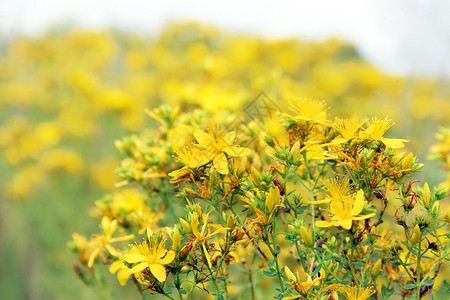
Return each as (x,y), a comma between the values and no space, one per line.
(232,212)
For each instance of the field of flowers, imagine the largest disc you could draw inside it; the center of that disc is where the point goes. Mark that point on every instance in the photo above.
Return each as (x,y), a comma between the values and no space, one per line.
(204,164)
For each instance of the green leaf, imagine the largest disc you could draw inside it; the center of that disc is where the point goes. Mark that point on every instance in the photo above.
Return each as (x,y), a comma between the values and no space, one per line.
(316,270)
(428,282)
(409,286)
(271,262)
(383,291)
(269,274)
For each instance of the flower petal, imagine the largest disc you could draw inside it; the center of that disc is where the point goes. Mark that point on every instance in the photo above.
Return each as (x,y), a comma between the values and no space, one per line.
(323,224)
(229,137)
(134,258)
(237,151)
(221,164)
(159,272)
(359,203)
(204,139)
(113,251)
(138,268)
(168,258)
(92,257)
(122,276)
(346,224)
(362,217)
(117,265)
(394,143)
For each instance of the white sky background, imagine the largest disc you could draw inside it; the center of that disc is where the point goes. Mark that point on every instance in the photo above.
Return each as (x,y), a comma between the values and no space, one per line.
(401,36)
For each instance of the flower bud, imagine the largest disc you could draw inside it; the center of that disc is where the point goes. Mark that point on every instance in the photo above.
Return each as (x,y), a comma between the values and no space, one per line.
(397,158)
(426,195)
(306,236)
(377,267)
(213,176)
(272,198)
(416,234)
(361,160)
(290,276)
(369,154)
(224,216)
(291,228)
(186,225)
(419,167)
(198,210)
(190,192)
(407,161)
(254,175)
(176,239)
(436,208)
(230,222)
(294,153)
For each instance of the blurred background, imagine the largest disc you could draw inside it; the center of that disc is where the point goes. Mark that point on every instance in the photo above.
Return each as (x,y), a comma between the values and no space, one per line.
(77,75)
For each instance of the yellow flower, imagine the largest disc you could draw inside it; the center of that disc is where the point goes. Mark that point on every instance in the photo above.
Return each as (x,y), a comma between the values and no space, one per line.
(347,128)
(102,242)
(121,269)
(301,281)
(377,128)
(154,258)
(214,148)
(355,293)
(204,234)
(346,211)
(310,110)
(191,156)
(338,190)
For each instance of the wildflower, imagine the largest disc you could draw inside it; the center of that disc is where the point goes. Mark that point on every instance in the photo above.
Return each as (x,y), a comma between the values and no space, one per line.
(121,269)
(377,128)
(191,156)
(347,128)
(301,281)
(338,190)
(152,257)
(102,242)
(309,110)
(355,292)
(215,147)
(204,234)
(345,212)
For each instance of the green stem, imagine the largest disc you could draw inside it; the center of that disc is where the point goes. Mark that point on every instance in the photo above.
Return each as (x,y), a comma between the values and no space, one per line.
(212,277)
(351,261)
(418,282)
(272,248)
(190,291)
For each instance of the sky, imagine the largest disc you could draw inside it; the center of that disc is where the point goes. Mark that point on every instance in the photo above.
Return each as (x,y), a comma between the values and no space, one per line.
(409,37)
